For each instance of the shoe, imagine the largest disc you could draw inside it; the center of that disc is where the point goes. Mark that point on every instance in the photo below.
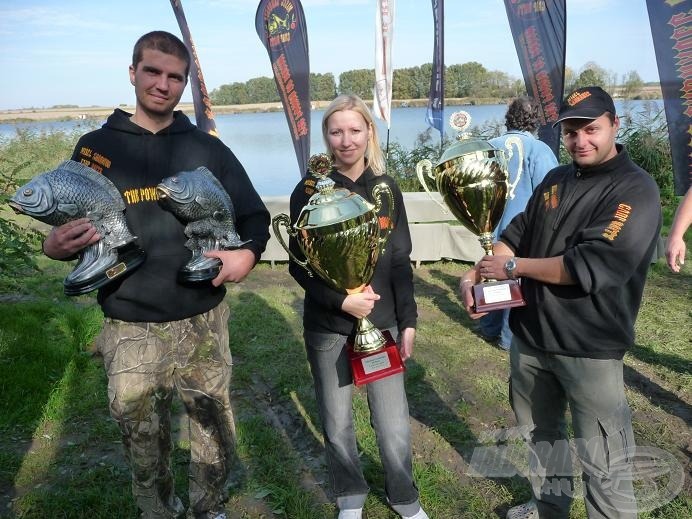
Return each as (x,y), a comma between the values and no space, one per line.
(351,513)
(419,515)
(526,511)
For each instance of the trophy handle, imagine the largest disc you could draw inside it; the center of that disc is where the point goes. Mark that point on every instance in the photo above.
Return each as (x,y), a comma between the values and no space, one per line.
(513,140)
(283,219)
(384,189)
(422,168)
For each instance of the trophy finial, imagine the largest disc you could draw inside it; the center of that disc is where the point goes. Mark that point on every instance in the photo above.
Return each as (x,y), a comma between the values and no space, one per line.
(320,165)
(461,121)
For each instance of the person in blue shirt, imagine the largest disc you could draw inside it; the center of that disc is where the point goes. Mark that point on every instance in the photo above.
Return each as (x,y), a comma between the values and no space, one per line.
(527,166)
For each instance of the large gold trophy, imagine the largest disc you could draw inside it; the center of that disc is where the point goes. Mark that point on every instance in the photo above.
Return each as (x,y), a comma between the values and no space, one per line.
(339,233)
(472,178)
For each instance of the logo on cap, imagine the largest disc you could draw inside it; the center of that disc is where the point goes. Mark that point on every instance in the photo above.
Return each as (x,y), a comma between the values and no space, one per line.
(577,97)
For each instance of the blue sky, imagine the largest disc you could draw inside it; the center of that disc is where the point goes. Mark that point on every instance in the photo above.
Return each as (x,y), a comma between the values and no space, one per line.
(78,51)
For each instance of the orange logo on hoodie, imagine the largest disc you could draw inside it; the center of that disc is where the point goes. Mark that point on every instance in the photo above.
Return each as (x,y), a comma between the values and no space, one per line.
(550,198)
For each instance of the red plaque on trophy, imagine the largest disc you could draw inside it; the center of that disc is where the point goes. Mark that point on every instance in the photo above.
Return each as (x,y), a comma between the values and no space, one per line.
(375,365)
(497,295)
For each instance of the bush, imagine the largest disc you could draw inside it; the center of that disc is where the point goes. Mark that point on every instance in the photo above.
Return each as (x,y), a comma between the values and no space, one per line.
(21,158)
(646,139)
(401,162)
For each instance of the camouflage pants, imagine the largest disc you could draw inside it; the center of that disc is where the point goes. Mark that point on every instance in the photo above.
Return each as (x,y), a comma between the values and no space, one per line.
(146,363)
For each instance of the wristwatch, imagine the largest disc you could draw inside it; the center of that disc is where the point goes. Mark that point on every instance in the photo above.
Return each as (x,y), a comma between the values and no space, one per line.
(511,268)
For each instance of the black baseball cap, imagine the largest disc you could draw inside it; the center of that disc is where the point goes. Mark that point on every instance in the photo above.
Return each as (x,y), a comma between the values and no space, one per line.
(585,103)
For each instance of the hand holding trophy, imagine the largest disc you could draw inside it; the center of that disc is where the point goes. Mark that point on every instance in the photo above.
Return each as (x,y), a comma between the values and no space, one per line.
(198,199)
(339,233)
(472,177)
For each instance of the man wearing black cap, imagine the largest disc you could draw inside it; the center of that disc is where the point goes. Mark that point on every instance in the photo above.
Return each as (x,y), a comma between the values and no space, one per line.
(582,248)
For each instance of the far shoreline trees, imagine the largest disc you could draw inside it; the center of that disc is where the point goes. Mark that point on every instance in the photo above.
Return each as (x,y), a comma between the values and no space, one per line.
(469,79)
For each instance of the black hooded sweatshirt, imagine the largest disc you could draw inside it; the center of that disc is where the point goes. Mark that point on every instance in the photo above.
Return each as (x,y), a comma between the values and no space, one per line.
(136,160)
(605,220)
(393,275)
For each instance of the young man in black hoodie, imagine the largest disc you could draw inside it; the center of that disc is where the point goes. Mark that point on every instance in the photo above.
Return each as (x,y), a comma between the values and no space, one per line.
(160,336)
(582,249)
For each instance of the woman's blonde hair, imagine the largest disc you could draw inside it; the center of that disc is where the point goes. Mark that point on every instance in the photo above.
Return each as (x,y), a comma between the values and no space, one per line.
(373,153)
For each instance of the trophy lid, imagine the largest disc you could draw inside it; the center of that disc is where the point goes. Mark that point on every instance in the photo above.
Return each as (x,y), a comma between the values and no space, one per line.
(466,145)
(329,205)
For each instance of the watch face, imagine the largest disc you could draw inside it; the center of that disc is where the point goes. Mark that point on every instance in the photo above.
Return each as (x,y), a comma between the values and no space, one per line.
(510,266)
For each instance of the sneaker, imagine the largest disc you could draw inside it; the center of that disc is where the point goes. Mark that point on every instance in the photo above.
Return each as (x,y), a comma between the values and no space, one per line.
(526,511)
(351,513)
(419,515)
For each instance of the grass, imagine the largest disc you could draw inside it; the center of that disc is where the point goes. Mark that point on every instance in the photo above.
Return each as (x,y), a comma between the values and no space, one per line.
(60,454)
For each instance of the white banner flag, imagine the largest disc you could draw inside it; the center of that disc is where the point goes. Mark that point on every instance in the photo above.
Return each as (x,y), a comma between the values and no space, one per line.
(384,28)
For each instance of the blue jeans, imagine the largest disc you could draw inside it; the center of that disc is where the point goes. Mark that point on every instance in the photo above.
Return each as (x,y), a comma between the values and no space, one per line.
(542,385)
(331,372)
(496,324)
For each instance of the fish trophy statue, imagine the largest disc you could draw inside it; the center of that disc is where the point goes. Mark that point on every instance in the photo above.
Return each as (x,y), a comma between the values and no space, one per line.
(73,191)
(198,199)
(472,178)
(339,233)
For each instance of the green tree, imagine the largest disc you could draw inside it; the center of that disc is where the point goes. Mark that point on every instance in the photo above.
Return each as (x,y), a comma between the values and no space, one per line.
(322,87)
(403,83)
(453,81)
(231,94)
(360,82)
(589,77)
(473,77)
(422,77)
(570,80)
(262,90)
(632,84)
(500,84)
(592,74)
(518,88)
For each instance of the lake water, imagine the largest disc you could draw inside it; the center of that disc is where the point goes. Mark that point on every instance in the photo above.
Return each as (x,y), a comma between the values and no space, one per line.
(262,142)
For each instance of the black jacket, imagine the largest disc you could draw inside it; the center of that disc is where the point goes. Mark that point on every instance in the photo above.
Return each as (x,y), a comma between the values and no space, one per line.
(393,275)
(136,160)
(605,220)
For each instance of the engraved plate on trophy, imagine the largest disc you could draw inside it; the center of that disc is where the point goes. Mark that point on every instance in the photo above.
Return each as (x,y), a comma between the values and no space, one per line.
(472,178)
(368,367)
(339,233)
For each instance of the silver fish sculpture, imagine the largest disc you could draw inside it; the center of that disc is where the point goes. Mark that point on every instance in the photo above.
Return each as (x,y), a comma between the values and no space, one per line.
(198,199)
(73,191)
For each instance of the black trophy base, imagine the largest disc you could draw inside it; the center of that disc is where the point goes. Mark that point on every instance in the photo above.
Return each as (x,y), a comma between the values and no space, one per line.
(497,295)
(198,276)
(129,258)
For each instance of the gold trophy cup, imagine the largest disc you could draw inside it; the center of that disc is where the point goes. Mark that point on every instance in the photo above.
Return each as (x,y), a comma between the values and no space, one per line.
(339,233)
(472,179)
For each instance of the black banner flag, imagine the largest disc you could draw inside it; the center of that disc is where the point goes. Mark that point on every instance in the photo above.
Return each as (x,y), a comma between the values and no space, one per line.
(538,29)
(204,116)
(435,113)
(671,29)
(280,24)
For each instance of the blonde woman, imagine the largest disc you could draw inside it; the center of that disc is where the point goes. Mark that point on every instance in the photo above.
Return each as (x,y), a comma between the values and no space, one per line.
(330,317)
